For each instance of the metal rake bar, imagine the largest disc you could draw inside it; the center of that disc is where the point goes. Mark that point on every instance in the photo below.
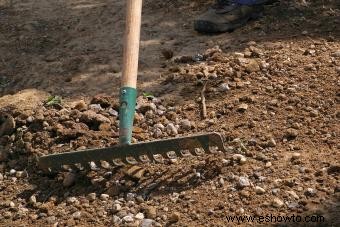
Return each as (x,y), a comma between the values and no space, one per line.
(134,153)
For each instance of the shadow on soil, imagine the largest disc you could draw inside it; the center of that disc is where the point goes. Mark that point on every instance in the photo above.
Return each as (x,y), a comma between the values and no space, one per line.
(69,54)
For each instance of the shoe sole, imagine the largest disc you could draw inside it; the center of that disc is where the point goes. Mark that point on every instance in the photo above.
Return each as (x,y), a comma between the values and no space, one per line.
(209,27)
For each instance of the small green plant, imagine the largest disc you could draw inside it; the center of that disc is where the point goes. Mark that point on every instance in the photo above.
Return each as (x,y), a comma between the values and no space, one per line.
(53,100)
(148,95)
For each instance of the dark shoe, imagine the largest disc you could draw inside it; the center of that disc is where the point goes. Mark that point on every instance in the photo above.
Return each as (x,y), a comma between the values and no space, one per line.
(225,16)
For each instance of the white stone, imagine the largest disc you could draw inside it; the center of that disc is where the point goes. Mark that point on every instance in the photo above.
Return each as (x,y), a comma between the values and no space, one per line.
(259,190)
(139,216)
(128,218)
(91,196)
(104,197)
(244,182)
(116,207)
(76,215)
(277,203)
(171,129)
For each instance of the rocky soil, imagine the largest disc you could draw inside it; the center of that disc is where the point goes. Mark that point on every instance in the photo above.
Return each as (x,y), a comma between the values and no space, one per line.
(272,91)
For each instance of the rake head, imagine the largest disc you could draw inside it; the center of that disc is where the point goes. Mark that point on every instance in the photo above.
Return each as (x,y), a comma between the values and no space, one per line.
(157,150)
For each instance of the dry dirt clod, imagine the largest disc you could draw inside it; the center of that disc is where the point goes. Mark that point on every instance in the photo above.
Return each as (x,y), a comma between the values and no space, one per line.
(81,105)
(91,197)
(104,197)
(7,124)
(151,212)
(174,217)
(3,155)
(277,203)
(242,107)
(171,129)
(243,182)
(147,223)
(252,66)
(185,124)
(69,179)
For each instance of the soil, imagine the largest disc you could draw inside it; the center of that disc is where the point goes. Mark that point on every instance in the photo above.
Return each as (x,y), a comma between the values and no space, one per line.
(272,91)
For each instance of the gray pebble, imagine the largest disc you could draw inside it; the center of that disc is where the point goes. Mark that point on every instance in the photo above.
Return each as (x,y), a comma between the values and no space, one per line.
(243,182)
(147,223)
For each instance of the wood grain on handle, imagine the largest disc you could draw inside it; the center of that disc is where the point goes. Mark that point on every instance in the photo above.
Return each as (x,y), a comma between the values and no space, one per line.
(131,43)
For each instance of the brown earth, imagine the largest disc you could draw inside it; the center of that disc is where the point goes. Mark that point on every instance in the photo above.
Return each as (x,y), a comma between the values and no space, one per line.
(272,91)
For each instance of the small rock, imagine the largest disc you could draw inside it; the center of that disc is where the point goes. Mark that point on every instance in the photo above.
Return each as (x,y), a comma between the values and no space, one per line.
(30,119)
(33,200)
(243,182)
(81,105)
(259,190)
(275,191)
(174,217)
(157,133)
(147,223)
(337,189)
(9,204)
(12,172)
(310,192)
(113,112)
(271,143)
(291,133)
(336,54)
(223,87)
(51,219)
(268,164)
(296,155)
(293,194)
(95,107)
(7,125)
(252,66)
(116,220)
(139,216)
(242,107)
(128,219)
(171,129)
(151,212)
(240,158)
(277,203)
(69,179)
(1,177)
(90,116)
(76,215)
(104,197)
(7,214)
(185,124)
(91,196)
(240,211)
(116,207)
(71,200)
(21,174)
(144,107)
(159,126)
(337,69)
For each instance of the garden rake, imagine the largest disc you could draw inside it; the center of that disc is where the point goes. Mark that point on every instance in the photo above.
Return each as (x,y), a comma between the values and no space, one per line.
(125,152)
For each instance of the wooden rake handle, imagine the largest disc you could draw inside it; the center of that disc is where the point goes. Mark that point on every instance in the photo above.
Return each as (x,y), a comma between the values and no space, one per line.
(132,39)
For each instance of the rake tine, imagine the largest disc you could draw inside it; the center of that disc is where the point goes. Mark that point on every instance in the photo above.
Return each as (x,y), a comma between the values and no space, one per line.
(144,158)
(118,162)
(131,160)
(171,155)
(141,152)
